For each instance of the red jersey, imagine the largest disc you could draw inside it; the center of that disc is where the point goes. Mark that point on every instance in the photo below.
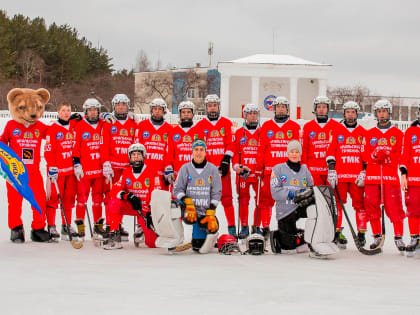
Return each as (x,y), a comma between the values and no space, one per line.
(315,145)
(247,142)
(117,137)
(87,148)
(180,145)
(346,149)
(141,185)
(410,158)
(391,139)
(59,147)
(273,143)
(155,140)
(219,138)
(25,142)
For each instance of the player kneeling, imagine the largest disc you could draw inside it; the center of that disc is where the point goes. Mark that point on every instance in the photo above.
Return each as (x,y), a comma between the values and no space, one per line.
(199,188)
(132,197)
(295,198)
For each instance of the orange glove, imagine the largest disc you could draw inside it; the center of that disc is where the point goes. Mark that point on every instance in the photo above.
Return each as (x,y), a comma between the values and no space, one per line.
(190,215)
(211,221)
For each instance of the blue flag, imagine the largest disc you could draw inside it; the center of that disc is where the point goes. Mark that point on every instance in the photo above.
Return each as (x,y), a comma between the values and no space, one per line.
(15,173)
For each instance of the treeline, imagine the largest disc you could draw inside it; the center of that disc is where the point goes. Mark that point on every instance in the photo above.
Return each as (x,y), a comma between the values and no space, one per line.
(54,57)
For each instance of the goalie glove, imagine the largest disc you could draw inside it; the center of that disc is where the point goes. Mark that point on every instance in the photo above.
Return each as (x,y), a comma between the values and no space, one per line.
(224,165)
(209,222)
(360,180)
(304,197)
(190,214)
(332,178)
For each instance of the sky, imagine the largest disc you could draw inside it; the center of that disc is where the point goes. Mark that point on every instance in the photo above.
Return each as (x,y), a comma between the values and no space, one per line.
(369,42)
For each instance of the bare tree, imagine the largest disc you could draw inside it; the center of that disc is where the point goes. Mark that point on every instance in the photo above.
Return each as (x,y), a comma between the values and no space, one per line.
(32,66)
(143,64)
(358,93)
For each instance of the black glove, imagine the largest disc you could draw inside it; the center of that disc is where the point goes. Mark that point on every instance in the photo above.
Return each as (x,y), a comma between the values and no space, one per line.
(131,198)
(149,221)
(304,197)
(76,116)
(224,165)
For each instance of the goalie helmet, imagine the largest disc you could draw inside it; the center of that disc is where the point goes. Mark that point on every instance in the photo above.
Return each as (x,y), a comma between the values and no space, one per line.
(249,108)
(255,244)
(186,105)
(120,98)
(227,244)
(136,147)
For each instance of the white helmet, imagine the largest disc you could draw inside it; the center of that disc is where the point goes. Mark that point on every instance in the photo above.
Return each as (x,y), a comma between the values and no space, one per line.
(186,105)
(255,244)
(351,105)
(281,100)
(321,100)
(211,98)
(120,98)
(136,147)
(159,102)
(249,108)
(383,104)
(91,103)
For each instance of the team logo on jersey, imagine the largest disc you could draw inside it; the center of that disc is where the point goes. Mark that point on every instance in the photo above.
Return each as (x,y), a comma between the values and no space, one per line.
(114,130)
(322,136)
(304,181)
(123,132)
(270,134)
(36,133)
(340,139)
(47,139)
(146,135)
(199,182)
(279,135)
(210,179)
(206,132)
(86,136)
(373,141)
(128,182)
(268,102)
(253,142)
(17,132)
(59,136)
(195,136)
(96,136)
(165,137)
(131,131)
(289,134)
(393,140)
(176,137)
(222,132)
(294,182)
(312,135)
(156,138)
(28,135)
(157,182)
(283,178)
(414,139)
(360,139)
(137,185)
(242,141)
(351,140)
(27,156)
(147,182)
(214,133)
(186,138)
(189,179)
(69,136)
(383,141)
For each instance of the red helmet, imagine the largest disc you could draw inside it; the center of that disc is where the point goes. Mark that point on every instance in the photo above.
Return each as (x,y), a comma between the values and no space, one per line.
(227,244)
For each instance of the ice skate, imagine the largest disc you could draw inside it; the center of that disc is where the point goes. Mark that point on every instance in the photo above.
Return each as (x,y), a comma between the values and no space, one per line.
(244,233)
(361,237)
(17,234)
(413,246)
(40,235)
(54,236)
(266,233)
(113,242)
(80,229)
(98,230)
(232,231)
(65,233)
(340,239)
(377,238)
(124,233)
(400,244)
(138,235)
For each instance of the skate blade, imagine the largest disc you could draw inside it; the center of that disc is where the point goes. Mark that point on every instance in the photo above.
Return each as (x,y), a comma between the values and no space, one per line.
(124,239)
(342,246)
(318,256)
(54,240)
(18,241)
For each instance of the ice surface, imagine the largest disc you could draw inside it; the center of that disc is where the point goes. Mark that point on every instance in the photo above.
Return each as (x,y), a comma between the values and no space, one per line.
(57,279)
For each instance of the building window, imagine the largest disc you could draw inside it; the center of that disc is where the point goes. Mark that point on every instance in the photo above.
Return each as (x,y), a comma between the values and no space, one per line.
(202,93)
(191,93)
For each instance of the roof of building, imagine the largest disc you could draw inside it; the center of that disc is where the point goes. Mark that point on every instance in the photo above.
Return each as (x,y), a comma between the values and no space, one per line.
(276,59)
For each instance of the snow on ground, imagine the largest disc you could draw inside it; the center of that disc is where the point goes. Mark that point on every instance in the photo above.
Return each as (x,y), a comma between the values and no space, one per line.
(57,279)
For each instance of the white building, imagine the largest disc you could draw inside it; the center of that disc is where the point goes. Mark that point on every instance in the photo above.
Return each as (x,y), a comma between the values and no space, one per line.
(260,78)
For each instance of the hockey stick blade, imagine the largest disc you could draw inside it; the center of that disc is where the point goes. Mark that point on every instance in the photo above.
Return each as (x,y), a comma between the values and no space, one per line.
(360,248)
(180,248)
(76,245)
